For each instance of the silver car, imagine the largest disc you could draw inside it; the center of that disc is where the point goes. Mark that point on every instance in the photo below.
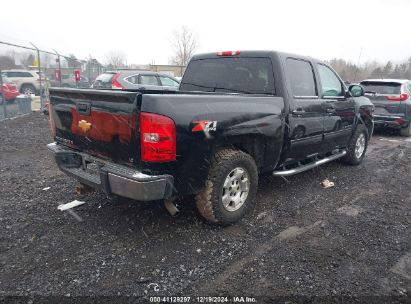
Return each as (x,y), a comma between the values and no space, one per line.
(392,100)
(137,80)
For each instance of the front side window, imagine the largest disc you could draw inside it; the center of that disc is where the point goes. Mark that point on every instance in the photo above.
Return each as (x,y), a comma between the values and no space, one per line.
(330,84)
(23,74)
(301,75)
(149,80)
(167,81)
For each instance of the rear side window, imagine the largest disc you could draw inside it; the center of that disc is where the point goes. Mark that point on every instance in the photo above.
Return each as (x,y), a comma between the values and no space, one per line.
(132,79)
(383,88)
(246,75)
(167,81)
(301,76)
(148,80)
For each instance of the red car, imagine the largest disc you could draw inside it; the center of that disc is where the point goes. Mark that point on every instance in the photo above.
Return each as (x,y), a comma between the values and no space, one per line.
(8,89)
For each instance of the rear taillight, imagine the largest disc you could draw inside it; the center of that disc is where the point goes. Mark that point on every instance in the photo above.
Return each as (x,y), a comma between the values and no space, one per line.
(402,97)
(400,121)
(228,53)
(157,138)
(115,84)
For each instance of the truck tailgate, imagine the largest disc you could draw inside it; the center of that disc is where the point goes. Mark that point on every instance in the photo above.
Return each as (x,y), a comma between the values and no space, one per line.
(101,123)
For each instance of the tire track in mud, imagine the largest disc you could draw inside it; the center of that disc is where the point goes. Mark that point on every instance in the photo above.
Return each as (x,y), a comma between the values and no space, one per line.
(237,266)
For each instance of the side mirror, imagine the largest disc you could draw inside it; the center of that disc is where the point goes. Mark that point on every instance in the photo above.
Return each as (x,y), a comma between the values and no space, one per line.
(356,90)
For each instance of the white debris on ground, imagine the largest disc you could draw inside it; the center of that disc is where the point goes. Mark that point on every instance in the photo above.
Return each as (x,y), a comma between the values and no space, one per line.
(45,189)
(326,184)
(70,205)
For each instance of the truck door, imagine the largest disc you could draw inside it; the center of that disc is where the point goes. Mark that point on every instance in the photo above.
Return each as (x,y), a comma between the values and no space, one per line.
(339,108)
(306,119)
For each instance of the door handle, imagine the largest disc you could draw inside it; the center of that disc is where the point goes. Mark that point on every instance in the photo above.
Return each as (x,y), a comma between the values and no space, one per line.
(298,112)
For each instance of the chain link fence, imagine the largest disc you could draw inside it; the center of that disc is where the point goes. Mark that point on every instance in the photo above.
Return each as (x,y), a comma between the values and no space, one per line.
(27,72)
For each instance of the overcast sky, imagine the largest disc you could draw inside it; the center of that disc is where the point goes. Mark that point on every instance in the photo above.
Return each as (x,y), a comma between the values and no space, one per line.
(143,29)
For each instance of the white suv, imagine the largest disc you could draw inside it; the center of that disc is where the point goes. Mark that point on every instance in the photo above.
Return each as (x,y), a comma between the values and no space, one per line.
(28,82)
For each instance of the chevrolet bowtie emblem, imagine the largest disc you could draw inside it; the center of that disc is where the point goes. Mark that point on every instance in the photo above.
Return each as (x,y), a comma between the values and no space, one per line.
(84,125)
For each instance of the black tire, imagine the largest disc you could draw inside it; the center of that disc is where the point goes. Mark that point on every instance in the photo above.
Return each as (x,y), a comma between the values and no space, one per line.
(351,158)
(406,132)
(209,200)
(28,89)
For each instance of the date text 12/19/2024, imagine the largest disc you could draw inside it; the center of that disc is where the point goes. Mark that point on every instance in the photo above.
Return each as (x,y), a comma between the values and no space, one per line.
(202,300)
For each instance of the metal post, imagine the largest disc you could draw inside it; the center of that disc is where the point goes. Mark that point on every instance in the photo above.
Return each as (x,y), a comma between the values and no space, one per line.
(40,84)
(2,95)
(58,56)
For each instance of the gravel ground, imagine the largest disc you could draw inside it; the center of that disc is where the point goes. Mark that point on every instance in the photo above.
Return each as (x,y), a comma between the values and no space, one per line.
(301,240)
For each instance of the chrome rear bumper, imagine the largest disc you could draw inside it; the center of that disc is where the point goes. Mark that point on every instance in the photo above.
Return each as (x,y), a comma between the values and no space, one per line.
(110,177)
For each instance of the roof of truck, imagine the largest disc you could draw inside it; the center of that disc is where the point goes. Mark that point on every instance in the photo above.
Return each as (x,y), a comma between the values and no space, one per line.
(250,53)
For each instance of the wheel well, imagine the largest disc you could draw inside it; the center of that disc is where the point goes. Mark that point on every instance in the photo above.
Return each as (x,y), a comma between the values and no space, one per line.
(366,119)
(255,147)
(27,84)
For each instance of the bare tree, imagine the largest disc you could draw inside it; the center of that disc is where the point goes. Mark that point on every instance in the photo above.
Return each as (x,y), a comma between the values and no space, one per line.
(184,45)
(115,59)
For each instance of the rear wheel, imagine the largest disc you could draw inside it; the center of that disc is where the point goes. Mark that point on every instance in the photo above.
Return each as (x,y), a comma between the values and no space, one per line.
(28,89)
(230,187)
(406,132)
(357,147)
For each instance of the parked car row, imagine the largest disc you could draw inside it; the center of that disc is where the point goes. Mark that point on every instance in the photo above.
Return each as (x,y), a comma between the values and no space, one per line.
(69,81)
(27,81)
(138,80)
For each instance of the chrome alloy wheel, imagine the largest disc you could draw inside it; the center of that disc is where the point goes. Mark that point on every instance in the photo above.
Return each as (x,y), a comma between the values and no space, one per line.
(360,146)
(235,189)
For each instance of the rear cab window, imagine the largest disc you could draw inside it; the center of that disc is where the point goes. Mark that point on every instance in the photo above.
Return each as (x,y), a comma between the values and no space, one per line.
(245,75)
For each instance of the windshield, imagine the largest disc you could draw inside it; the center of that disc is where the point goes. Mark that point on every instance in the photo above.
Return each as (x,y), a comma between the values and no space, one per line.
(383,88)
(231,75)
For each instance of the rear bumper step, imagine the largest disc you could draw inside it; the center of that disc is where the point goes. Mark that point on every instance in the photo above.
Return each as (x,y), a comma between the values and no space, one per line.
(110,177)
(309,166)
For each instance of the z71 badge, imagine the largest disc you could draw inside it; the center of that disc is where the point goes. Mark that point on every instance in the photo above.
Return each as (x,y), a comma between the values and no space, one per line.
(204,125)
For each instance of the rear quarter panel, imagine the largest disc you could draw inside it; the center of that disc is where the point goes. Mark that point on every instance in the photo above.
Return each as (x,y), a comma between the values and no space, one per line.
(254,124)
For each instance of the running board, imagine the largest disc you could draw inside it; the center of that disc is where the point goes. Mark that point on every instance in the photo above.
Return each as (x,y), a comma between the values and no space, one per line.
(310,165)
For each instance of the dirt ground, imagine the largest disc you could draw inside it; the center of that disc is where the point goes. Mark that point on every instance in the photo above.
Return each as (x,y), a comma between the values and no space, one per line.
(352,240)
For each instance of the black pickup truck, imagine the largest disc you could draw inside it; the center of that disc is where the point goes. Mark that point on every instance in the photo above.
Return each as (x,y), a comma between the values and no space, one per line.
(237,115)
